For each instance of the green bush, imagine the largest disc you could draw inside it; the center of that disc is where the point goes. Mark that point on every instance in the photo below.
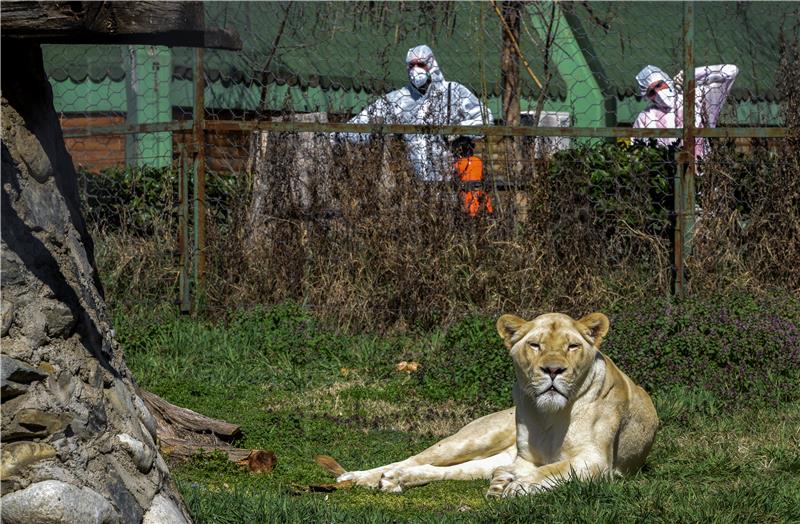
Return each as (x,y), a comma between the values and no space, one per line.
(621,183)
(137,199)
(740,348)
(735,347)
(470,363)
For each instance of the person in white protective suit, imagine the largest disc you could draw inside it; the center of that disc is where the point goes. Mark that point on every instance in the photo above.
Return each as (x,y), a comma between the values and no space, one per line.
(427,99)
(665,110)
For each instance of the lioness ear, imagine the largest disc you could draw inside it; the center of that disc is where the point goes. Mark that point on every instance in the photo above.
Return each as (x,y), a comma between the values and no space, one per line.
(596,325)
(508,327)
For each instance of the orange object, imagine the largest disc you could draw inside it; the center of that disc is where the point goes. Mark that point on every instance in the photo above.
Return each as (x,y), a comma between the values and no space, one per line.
(470,169)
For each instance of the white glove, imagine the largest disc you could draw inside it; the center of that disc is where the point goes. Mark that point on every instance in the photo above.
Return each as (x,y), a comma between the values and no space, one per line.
(679,81)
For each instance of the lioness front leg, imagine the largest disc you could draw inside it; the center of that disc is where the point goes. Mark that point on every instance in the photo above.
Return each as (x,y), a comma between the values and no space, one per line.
(524,478)
(484,438)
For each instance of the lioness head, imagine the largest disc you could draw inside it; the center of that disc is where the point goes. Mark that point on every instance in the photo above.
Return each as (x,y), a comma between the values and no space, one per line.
(552,354)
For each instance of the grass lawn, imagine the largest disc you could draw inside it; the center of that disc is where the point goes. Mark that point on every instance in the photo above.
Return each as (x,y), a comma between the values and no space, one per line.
(300,391)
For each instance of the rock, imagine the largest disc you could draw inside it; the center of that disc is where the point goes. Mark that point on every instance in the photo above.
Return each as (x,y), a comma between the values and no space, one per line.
(56,502)
(34,327)
(120,397)
(15,377)
(32,423)
(125,502)
(7,314)
(8,485)
(142,488)
(10,390)
(142,456)
(91,423)
(16,348)
(145,417)
(13,369)
(34,156)
(59,321)
(17,455)
(162,511)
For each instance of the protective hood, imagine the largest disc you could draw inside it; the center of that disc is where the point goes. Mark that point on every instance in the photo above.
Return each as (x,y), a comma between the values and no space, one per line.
(423,53)
(664,98)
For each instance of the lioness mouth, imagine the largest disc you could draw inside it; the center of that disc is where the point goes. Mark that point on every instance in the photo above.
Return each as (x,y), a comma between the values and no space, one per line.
(553,388)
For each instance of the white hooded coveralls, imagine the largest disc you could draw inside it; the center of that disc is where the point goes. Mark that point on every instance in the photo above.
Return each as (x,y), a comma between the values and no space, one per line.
(712,85)
(443,103)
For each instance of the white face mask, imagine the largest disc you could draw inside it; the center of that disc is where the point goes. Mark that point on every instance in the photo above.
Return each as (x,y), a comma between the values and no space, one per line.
(418,76)
(665,98)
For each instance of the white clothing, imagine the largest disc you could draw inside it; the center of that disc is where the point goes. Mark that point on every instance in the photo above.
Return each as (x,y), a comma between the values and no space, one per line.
(443,103)
(713,83)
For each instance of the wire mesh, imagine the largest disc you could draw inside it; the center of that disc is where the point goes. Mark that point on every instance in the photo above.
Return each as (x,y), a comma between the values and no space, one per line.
(423,225)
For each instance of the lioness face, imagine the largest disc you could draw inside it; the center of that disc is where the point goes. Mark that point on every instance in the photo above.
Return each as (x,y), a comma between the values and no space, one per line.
(552,354)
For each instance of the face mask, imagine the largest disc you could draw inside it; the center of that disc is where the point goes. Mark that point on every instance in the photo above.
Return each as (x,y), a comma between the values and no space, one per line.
(418,76)
(665,98)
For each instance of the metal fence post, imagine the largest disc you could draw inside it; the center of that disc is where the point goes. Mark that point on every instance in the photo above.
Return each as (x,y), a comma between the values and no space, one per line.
(199,173)
(684,181)
(184,281)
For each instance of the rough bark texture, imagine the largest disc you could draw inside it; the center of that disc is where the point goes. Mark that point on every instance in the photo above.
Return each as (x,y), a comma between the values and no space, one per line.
(78,442)
(143,22)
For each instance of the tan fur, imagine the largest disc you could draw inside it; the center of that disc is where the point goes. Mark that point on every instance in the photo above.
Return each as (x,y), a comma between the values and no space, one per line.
(575,413)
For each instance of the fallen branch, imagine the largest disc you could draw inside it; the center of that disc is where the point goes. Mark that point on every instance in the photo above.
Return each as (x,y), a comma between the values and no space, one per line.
(183,433)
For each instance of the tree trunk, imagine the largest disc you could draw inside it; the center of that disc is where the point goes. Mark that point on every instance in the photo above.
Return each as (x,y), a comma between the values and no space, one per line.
(78,442)
(509,73)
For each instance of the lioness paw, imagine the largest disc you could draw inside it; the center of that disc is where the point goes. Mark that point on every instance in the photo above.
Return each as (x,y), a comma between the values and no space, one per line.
(391,481)
(520,488)
(498,484)
(366,479)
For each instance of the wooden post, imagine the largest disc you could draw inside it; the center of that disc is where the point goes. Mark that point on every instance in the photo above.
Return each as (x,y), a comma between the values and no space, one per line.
(185,297)
(198,136)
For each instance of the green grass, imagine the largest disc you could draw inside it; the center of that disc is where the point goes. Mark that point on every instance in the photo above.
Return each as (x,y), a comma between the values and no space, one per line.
(300,390)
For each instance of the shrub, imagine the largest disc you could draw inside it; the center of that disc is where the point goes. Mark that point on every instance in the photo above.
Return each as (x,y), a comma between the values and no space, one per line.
(471,364)
(741,348)
(738,348)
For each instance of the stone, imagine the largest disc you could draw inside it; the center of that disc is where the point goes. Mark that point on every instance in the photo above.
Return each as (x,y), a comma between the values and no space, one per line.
(91,423)
(163,510)
(7,314)
(34,156)
(145,417)
(16,455)
(15,377)
(29,424)
(125,502)
(141,487)
(56,502)
(141,455)
(59,320)
(34,327)
(9,390)
(9,485)
(16,348)
(13,369)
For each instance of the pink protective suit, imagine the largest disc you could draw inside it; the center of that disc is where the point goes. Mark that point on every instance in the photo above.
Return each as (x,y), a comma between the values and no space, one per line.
(713,83)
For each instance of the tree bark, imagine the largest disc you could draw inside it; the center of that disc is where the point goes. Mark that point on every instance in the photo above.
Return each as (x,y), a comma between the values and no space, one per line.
(509,74)
(79,445)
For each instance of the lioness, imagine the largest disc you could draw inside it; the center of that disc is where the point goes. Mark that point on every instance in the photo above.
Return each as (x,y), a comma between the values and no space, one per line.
(575,413)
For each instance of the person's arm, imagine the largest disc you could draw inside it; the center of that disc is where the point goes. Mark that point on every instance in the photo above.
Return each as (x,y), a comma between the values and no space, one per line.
(467,110)
(713,85)
(375,112)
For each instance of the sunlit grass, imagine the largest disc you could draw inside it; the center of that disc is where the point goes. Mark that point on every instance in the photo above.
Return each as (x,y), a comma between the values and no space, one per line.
(300,391)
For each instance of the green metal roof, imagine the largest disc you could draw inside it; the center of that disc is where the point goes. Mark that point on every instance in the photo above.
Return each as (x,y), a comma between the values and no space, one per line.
(619,38)
(361,46)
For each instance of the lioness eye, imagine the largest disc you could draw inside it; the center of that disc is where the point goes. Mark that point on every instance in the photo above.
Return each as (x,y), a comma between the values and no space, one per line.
(534,345)
(573,347)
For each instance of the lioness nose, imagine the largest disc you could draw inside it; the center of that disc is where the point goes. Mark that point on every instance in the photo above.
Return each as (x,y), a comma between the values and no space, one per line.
(553,371)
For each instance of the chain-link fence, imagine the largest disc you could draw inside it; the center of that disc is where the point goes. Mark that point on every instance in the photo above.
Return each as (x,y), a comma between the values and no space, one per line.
(532,167)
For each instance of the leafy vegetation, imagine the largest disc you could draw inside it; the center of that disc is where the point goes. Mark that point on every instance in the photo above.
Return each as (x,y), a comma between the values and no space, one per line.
(300,388)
